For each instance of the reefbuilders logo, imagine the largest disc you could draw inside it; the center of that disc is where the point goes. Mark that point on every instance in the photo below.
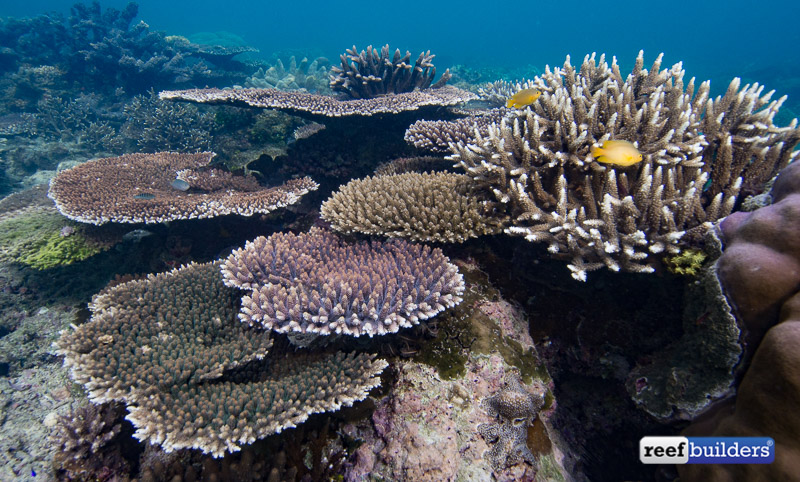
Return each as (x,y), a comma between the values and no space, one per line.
(706,450)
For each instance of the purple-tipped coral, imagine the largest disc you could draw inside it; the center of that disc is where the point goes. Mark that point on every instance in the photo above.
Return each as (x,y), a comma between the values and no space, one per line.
(316,282)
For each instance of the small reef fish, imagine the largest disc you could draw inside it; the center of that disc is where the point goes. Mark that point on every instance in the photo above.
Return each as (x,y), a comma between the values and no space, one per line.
(620,153)
(144,195)
(524,97)
(180,185)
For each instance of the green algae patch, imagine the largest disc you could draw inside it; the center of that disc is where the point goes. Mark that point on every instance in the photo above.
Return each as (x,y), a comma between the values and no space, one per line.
(42,238)
(467,329)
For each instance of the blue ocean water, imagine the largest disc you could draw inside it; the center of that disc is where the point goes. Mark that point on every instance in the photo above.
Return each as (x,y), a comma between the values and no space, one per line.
(716,40)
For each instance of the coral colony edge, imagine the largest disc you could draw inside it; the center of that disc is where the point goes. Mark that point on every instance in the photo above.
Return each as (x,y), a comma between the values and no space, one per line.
(219,267)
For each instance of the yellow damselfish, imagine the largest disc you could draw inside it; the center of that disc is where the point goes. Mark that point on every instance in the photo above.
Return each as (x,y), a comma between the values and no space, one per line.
(620,153)
(523,98)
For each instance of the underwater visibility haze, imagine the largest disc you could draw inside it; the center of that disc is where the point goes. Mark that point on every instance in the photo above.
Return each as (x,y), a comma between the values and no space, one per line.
(434,241)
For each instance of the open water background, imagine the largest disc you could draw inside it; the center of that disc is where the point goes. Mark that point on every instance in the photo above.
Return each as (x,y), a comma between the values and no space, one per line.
(716,40)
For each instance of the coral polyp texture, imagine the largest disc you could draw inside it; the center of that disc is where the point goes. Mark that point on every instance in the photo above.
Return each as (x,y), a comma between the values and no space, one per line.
(306,104)
(192,376)
(368,74)
(438,135)
(309,76)
(698,154)
(433,207)
(165,186)
(514,409)
(316,282)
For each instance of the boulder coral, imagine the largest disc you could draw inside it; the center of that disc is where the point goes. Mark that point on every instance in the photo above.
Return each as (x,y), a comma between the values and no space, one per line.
(760,272)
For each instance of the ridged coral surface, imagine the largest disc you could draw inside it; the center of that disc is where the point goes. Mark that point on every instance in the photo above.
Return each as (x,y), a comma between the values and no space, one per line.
(421,207)
(316,282)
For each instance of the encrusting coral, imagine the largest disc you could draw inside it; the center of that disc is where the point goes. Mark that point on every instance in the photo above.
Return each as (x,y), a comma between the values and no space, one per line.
(316,282)
(428,207)
(515,409)
(368,74)
(141,188)
(698,154)
(191,375)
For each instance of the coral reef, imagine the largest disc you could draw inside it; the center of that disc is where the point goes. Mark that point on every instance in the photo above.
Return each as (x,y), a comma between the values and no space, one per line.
(402,165)
(42,238)
(369,74)
(84,441)
(156,125)
(303,75)
(438,135)
(316,282)
(315,105)
(498,92)
(514,408)
(425,427)
(137,188)
(538,164)
(432,207)
(695,371)
(170,348)
(105,50)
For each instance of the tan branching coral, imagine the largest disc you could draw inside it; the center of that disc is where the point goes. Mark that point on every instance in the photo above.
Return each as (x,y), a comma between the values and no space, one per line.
(538,164)
(316,282)
(192,376)
(413,164)
(425,207)
(368,74)
(302,103)
(142,188)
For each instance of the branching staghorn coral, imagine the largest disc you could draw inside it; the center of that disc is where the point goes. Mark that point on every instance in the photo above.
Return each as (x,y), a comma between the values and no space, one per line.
(370,74)
(498,92)
(429,207)
(316,282)
(141,188)
(191,375)
(539,165)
